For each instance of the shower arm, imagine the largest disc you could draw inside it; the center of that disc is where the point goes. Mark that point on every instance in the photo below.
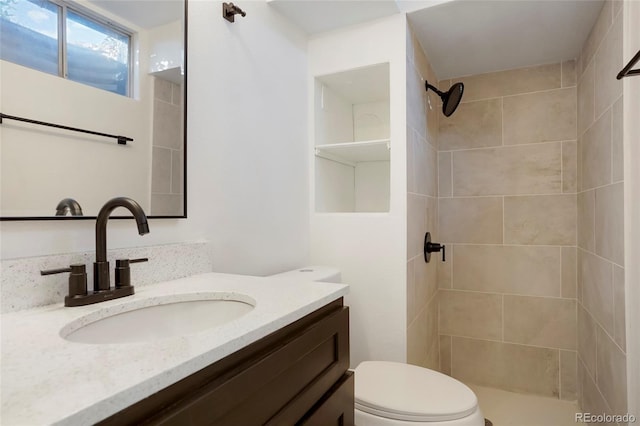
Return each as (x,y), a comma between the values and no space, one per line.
(435,89)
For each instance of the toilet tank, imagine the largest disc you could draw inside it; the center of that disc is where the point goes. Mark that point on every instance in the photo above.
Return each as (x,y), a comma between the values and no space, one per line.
(325,274)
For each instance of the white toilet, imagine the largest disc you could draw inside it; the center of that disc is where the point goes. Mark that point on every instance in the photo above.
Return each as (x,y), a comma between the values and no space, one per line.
(397,394)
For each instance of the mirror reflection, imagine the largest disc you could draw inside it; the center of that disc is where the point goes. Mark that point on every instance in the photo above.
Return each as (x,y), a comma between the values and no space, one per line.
(104,66)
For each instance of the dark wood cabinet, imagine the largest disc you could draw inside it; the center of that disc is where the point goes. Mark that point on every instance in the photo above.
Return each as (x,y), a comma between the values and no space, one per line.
(296,375)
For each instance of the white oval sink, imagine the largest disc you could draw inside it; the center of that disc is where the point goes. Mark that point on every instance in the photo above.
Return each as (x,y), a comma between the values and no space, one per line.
(158,318)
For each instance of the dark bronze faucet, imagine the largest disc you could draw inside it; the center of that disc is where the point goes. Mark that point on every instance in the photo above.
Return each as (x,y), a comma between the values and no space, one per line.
(68,205)
(78,294)
(101,266)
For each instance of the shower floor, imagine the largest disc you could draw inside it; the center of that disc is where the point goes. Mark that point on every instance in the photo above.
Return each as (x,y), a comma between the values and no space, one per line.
(505,408)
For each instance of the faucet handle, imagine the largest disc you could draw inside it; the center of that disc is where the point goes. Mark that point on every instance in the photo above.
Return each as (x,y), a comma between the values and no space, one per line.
(123,272)
(77,279)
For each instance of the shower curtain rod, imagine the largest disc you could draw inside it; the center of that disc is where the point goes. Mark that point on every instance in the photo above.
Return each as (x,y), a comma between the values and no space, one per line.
(627,71)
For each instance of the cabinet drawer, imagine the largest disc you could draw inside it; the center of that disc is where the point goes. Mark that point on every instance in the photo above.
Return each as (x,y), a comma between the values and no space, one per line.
(336,408)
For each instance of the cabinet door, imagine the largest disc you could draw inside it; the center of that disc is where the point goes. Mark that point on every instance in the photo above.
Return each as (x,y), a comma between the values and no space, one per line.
(336,408)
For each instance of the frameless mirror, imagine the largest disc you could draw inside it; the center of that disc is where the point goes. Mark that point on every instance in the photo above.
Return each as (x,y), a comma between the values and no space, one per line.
(93,103)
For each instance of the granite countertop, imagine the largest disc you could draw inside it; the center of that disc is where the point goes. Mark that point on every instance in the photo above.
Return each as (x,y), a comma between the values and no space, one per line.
(47,379)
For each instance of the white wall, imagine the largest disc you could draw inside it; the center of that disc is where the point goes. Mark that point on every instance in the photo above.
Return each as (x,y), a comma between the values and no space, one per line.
(369,248)
(247,170)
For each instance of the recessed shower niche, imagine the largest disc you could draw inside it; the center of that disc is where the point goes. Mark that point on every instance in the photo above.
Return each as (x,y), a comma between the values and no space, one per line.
(352,145)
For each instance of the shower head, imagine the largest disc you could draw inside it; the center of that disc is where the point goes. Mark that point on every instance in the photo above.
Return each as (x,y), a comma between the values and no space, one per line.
(450,99)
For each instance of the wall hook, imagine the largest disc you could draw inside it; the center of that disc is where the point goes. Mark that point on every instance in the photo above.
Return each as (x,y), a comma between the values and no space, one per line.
(230,10)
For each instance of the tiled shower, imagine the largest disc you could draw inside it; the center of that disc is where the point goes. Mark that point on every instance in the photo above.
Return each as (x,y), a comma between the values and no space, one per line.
(528,200)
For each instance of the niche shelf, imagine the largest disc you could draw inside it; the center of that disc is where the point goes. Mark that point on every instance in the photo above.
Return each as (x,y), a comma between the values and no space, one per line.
(351,153)
(352,140)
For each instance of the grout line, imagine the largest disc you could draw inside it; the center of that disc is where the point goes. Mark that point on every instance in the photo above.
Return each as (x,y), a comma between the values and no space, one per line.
(518,195)
(509,343)
(503,293)
(559,374)
(516,145)
(503,223)
(562,167)
(561,268)
(502,301)
(502,121)
(511,95)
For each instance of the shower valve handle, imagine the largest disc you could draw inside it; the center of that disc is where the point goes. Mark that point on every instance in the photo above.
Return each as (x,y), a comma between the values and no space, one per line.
(430,247)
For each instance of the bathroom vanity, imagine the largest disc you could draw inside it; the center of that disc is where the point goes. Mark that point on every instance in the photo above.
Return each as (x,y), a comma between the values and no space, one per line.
(284,362)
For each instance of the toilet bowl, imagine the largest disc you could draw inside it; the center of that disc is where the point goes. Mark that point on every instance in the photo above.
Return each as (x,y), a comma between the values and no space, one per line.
(396,394)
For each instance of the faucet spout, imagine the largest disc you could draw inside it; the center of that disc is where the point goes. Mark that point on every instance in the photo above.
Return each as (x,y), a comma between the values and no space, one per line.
(101,266)
(68,205)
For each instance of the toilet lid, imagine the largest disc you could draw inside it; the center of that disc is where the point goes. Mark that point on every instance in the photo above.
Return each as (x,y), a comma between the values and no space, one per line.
(407,392)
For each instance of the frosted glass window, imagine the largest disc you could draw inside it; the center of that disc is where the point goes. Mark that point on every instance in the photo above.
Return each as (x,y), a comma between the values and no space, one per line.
(56,38)
(29,34)
(97,54)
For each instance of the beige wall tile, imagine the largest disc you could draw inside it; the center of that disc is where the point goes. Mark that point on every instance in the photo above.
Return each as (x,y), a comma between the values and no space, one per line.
(518,170)
(591,400)
(412,300)
(177,172)
(569,166)
(425,167)
(412,137)
(162,89)
(444,174)
(432,315)
(596,153)
(579,165)
(506,366)
(416,224)
(569,73)
(598,33)
(433,357)
(611,373)
(474,125)
(416,102)
(617,6)
(619,331)
(432,221)
(470,220)
(178,90)
(586,220)
(417,339)
(540,219)
(166,205)
(471,314)
(597,291)
(608,63)
(587,331)
(161,171)
(533,271)
(511,82)
(586,99)
(445,269)
(580,254)
(569,267)
(426,285)
(617,150)
(433,118)
(445,354)
(540,117)
(609,219)
(540,321)
(167,130)
(568,375)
